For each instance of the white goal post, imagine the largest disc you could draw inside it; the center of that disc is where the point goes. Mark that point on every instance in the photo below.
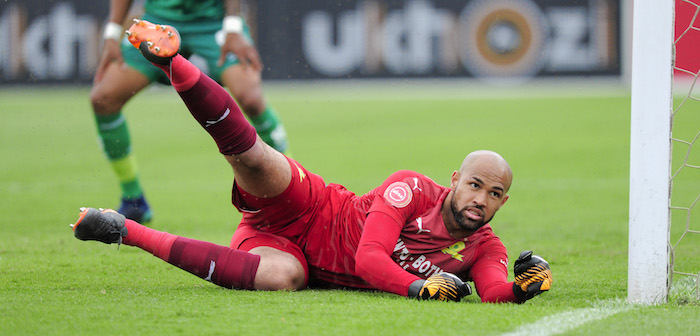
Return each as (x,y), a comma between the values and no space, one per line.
(650,151)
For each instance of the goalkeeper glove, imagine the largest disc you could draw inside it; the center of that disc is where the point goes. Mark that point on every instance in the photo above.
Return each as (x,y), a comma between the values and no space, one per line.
(532,276)
(441,287)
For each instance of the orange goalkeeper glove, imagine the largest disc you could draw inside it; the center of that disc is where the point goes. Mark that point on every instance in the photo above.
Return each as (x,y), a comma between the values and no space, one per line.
(532,276)
(441,287)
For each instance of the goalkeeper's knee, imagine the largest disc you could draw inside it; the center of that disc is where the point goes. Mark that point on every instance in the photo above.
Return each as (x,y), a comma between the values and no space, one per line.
(442,287)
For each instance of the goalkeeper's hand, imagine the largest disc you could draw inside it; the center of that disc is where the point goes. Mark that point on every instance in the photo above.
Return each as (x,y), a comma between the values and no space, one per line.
(532,276)
(442,287)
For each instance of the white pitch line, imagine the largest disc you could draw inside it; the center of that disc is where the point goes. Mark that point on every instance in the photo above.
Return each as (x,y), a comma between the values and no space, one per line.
(572,319)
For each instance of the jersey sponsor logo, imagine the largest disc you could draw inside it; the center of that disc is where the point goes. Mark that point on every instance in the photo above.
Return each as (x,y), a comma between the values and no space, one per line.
(214,122)
(454,250)
(419,265)
(504,262)
(398,194)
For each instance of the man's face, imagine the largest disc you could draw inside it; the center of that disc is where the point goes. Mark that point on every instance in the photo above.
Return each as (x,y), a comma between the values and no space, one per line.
(477,194)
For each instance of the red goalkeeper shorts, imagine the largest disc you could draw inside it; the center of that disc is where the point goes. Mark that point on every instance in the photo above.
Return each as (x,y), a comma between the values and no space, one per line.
(311,221)
(283,221)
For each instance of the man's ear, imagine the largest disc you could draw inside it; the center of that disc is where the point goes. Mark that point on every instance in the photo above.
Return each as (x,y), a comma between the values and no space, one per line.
(505,198)
(454,180)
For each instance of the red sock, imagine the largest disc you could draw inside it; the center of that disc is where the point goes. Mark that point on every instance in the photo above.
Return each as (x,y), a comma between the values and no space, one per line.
(182,74)
(157,242)
(211,106)
(221,265)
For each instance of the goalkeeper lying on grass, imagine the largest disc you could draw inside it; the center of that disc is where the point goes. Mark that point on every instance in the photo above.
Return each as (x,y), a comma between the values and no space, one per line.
(409,236)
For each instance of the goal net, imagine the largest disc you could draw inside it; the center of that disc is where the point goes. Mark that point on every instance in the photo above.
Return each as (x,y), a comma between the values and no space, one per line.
(664,236)
(685,154)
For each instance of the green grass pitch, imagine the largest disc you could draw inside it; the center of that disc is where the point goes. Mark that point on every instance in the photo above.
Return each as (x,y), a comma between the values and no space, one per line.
(569,203)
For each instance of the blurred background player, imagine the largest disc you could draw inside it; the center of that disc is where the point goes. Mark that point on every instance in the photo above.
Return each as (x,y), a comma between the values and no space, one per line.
(409,236)
(123,72)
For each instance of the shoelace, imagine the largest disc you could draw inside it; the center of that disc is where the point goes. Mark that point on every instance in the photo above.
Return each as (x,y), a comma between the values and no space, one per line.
(119,241)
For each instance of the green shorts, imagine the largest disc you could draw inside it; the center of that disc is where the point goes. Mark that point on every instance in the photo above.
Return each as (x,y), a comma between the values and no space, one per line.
(198,40)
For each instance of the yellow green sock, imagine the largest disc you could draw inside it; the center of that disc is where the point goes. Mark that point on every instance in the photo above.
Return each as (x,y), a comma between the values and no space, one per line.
(125,169)
(116,144)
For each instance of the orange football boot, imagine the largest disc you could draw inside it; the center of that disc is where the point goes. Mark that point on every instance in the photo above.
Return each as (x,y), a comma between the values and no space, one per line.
(158,43)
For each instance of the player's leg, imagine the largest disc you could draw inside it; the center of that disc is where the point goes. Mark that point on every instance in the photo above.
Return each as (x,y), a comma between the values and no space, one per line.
(245,85)
(263,268)
(282,263)
(108,97)
(259,169)
(278,270)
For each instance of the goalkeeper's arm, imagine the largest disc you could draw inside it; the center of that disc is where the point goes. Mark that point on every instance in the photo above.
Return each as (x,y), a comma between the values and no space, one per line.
(443,287)
(374,264)
(532,276)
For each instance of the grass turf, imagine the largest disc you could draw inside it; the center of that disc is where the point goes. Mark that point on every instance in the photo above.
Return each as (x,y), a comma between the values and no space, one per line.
(569,203)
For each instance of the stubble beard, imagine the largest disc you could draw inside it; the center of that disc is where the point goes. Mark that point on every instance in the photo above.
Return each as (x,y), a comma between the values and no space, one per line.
(466,223)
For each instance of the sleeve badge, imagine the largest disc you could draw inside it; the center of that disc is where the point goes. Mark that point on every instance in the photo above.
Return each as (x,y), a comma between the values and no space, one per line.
(398,194)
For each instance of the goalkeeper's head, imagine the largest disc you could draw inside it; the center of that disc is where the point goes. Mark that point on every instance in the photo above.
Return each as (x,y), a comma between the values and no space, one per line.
(479,189)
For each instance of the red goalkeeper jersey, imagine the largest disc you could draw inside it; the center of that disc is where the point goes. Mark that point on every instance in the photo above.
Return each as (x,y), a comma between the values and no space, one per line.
(394,235)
